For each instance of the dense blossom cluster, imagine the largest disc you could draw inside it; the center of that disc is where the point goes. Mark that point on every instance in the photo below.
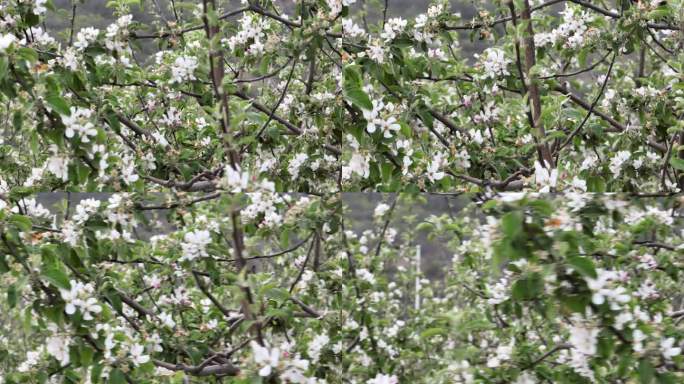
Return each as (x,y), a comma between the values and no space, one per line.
(518,94)
(217,243)
(604,305)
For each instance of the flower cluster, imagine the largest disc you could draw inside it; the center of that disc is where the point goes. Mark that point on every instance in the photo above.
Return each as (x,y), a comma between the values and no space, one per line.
(78,122)
(573,31)
(80,297)
(183,69)
(251,33)
(194,244)
(85,37)
(270,360)
(494,63)
(387,125)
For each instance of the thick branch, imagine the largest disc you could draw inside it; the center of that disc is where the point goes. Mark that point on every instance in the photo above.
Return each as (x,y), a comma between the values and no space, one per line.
(225,369)
(533,88)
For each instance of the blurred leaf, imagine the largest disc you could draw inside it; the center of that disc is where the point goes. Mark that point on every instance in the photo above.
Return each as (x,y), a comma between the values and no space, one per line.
(23,223)
(529,287)
(583,265)
(58,104)
(677,163)
(430,332)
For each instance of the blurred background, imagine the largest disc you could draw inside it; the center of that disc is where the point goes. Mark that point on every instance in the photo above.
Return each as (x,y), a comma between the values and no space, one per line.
(152,13)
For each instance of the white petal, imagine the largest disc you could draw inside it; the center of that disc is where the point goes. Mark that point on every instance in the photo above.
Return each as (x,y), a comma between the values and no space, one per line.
(265,371)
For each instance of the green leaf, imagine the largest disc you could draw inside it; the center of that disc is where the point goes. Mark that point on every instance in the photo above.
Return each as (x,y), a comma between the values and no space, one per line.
(278,294)
(86,355)
(4,267)
(596,184)
(57,277)
(4,64)
(646,372)
(359,98)
(667,378)
(424,113)
(284,238)
(583,265)
(677,163)
(352,76)
(23,223)
(575,303)
(82,172)
(27,54)
(511,223)
(116,376)
(115,299)
(12,296)
(659,13)
(430,332)
(58,104)
(351,86)
(425,226)
(528,288)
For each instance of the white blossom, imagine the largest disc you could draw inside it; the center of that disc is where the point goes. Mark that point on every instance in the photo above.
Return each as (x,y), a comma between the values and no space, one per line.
(358,164)
(58,347)
(85,209)
(138,355)
(545,177)
(494,63)
(351,29)
(376,51)
(234,179)
(433,169)
(58,166)
(381,378)
(78,122)
(668,349)
(584,339)
(316,346)
(5,41)
(167,319)
(266,358)
(183,69)
(503,353)
(31,361)
(85,37)
(194,244)
(617,162)
(39,7)
(296,163)
(80,297)
(380,210)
